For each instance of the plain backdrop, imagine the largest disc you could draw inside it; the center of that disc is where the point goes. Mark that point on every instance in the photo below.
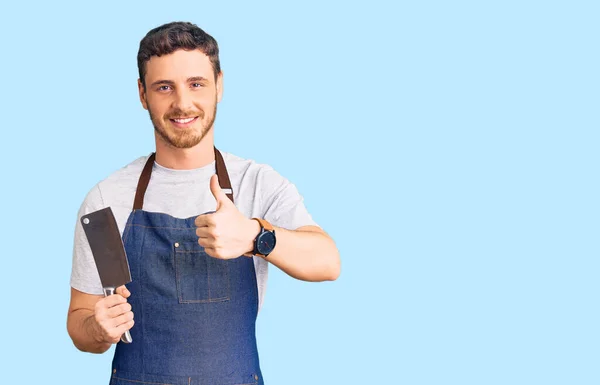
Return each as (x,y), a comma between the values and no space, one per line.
(450,148)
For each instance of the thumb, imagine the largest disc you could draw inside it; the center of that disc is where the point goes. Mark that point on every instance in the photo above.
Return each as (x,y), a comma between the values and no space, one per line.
(219,195)
(122,290)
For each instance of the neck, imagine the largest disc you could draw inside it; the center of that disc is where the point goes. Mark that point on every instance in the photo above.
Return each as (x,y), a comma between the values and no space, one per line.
(185,158)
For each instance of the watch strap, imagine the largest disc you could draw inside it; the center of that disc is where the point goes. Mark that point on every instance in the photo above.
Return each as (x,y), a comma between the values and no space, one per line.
(264,224)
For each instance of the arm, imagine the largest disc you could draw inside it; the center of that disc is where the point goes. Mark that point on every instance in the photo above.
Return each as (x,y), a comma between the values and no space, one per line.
(307,253)
(95,322)
(82,327)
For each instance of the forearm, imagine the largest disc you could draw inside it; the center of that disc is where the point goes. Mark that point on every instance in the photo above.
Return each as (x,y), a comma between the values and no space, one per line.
(85,331)
(308,255)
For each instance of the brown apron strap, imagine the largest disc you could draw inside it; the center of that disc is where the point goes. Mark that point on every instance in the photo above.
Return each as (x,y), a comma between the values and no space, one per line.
(143,183)
(140,192)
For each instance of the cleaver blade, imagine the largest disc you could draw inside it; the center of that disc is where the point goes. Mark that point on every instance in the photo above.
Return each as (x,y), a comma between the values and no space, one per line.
(105,241)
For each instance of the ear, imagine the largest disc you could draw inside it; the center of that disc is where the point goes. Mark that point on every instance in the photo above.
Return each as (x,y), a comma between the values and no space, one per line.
(142,92)
(220,87)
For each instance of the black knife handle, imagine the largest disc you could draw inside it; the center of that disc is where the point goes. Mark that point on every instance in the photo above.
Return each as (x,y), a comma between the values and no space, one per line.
(126,337)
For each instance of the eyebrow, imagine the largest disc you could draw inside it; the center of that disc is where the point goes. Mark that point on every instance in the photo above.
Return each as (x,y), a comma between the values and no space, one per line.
(197,79)
(170,82)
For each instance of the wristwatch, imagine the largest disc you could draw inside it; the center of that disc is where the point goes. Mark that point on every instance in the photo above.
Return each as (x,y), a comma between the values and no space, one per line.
(264,243)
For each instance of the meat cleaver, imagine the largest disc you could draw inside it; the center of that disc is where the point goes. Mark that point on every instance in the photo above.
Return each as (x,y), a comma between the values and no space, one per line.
(107,248)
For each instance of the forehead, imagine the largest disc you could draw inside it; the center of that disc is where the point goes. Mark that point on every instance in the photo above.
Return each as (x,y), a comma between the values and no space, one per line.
(178,66)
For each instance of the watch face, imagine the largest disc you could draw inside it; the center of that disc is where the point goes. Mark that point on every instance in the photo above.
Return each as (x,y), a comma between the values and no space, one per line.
(266,242)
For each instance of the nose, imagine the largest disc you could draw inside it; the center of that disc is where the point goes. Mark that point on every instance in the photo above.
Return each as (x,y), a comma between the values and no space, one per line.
(183,100)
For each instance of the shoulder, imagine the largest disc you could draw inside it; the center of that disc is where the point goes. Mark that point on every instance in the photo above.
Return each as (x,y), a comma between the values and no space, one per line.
(266,186)
(116,186)
(128,172)
(250,169)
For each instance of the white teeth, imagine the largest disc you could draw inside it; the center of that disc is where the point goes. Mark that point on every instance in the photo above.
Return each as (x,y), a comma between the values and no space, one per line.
(183,121)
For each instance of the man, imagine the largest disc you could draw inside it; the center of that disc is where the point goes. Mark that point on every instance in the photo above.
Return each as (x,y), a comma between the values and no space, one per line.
(200,228)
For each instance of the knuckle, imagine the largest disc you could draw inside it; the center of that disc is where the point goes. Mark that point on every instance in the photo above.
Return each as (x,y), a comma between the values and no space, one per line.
(99,315)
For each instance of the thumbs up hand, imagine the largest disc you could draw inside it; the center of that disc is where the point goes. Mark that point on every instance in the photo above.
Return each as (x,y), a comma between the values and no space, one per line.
(226,233)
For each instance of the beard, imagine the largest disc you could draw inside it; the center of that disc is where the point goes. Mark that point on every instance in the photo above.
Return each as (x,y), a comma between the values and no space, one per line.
(183,138)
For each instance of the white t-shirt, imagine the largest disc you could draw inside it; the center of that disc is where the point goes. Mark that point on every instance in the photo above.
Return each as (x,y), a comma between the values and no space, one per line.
(258,191)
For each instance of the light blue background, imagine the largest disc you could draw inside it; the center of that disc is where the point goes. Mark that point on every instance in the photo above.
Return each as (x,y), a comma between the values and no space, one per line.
(450,149)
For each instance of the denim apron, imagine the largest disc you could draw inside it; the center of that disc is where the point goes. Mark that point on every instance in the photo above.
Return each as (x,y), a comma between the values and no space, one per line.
(194,314)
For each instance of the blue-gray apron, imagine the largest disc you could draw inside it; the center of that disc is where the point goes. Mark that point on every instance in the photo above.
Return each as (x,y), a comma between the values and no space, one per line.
(194,314)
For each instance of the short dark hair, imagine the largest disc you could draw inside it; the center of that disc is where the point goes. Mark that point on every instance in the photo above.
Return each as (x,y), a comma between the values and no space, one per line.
(170,37)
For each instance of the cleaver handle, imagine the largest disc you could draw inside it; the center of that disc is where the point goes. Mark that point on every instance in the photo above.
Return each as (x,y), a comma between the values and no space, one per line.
(126,337)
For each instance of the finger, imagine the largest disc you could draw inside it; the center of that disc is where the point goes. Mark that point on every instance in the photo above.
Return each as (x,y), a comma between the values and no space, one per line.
(124,327)
(204,220)
(112,300)
(116,332)
(216,252)
(123,291)
(123,318)
(116,311)
(209,242)
(205,232)
(206,242)
(217,192)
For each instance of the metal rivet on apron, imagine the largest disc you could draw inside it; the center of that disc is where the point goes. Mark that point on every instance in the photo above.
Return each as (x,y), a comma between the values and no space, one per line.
(256,376)
(86,220)
(114,370)
(176,244)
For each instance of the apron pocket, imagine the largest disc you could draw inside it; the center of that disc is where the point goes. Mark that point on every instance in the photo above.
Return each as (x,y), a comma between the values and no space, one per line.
(200,277)
(125,378)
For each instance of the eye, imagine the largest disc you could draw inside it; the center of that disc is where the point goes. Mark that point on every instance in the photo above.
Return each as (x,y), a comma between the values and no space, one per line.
(164,88)
(196,85)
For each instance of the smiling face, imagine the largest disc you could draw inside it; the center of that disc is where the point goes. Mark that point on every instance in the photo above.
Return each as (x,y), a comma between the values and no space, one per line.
(181,96)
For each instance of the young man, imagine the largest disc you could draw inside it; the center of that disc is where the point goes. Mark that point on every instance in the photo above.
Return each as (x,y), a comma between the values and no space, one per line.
(199,227)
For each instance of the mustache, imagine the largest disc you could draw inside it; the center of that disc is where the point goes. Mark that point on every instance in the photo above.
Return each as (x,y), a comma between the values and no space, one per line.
(180,114)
